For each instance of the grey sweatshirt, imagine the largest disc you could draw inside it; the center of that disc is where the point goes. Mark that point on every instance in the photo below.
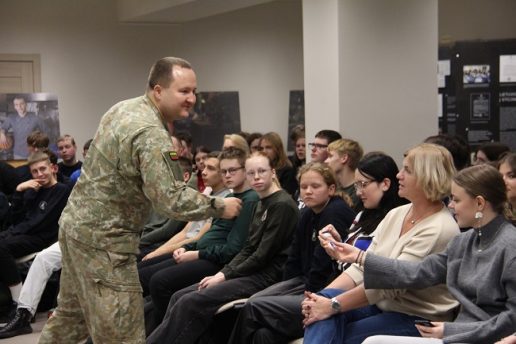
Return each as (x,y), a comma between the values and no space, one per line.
(479,269)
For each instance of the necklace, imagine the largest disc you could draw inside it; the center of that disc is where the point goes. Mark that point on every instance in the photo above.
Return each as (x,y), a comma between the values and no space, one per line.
(417,219)
(483,245)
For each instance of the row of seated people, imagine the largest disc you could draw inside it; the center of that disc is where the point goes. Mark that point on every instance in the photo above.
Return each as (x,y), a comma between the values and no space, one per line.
(411,232)
(228,270)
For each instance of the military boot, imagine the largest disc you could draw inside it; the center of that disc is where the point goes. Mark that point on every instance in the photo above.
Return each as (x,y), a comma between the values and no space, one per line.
(18,325)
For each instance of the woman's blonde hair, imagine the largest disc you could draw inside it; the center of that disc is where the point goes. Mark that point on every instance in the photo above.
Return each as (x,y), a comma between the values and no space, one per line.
(238,141)
(433,168)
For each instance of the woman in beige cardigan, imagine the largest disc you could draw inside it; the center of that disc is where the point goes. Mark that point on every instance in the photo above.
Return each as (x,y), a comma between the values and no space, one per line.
(345,312)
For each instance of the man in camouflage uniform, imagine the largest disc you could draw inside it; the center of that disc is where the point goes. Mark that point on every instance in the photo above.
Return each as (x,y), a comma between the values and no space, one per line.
(129,169)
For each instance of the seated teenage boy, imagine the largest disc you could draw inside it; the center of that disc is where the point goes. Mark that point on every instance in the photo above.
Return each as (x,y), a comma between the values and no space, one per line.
(42,200)
(165,235)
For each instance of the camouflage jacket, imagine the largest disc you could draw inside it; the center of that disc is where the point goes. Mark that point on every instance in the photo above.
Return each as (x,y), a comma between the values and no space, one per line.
(129,169)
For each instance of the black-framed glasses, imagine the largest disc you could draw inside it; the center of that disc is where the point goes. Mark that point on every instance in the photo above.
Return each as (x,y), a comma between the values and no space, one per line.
(317,145)
(231,170)
(362,184)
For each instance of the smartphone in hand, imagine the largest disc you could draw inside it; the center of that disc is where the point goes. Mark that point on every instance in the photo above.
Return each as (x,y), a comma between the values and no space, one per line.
(423,322)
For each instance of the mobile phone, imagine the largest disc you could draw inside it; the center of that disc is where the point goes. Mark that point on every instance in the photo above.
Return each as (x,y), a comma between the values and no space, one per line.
(423,322)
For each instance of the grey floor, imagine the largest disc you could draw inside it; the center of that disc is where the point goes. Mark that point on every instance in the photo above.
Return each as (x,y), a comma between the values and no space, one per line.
(32,338)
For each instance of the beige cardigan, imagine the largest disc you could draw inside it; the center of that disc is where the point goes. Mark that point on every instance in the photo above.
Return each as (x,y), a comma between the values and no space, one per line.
(430,235)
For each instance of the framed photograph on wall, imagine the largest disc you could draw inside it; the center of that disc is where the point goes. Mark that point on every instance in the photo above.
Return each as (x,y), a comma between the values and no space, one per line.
(20,115)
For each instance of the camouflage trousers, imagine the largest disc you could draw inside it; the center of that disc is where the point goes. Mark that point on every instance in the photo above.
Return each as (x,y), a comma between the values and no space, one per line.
(100,295)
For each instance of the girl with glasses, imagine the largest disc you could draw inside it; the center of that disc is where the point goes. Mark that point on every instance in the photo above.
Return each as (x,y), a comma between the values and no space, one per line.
(345,312)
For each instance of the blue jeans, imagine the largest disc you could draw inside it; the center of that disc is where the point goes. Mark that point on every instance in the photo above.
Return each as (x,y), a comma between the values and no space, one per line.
(354,326)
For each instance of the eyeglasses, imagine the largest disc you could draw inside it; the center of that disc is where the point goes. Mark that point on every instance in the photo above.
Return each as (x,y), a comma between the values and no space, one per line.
(261,172)
(317,146)
(362,184)
(231,171)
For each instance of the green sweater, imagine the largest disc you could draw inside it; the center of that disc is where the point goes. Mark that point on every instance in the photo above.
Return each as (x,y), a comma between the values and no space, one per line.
(225,238)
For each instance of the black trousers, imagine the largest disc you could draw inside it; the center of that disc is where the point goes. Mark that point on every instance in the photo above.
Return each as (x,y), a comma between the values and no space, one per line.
(190,312)
(272,315)
(163,278)
(16,246)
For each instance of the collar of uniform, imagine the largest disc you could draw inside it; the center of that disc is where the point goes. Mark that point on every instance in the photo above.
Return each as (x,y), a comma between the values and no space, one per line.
(153,106)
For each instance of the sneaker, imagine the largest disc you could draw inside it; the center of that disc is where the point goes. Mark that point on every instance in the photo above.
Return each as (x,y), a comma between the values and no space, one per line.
(20,324)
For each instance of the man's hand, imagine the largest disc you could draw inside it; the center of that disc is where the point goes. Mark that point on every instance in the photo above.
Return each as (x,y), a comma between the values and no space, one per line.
(232,206)
(187,256)
(431,332)
(210,281)
(3,140)
(29,184)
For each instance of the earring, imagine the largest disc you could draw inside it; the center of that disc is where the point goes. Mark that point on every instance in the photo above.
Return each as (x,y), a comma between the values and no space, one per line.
(479,215)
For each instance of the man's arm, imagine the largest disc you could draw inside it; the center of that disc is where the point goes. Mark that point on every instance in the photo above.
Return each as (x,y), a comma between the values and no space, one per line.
(163,185)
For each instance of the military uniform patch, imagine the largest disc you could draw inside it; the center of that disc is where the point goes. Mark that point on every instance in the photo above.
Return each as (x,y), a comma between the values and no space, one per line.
(173,155)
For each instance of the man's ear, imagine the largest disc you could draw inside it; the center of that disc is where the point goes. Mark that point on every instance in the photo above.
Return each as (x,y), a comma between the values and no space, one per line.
(157,90)
(186,176)
(344,159)
(54,168)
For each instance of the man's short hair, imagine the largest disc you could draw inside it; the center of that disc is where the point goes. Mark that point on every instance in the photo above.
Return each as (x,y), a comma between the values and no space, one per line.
(38,139)
(161,72)
(184,136)
(329,135)
(234,153)
(38,156)
(66,137)
(214,154)
(19,96)
(350,147)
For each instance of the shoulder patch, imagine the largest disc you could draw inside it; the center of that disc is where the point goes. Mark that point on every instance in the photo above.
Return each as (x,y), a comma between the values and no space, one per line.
(173,155)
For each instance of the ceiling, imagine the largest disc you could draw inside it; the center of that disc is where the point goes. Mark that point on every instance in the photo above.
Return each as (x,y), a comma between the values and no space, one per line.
(177,11)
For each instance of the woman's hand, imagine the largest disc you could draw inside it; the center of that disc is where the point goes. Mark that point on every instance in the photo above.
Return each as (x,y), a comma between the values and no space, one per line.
(432,332)
(343,252)
(326,235)
(315,308)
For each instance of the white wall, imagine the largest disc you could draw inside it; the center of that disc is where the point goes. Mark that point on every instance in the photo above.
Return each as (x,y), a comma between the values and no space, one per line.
(257,51)
(388,52)
(91,61)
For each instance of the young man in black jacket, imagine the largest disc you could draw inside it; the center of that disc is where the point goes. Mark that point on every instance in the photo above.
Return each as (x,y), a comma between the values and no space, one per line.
(42,199)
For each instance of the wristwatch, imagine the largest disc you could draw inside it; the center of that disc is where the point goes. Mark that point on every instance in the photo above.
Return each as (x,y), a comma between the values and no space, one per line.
(335,305)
